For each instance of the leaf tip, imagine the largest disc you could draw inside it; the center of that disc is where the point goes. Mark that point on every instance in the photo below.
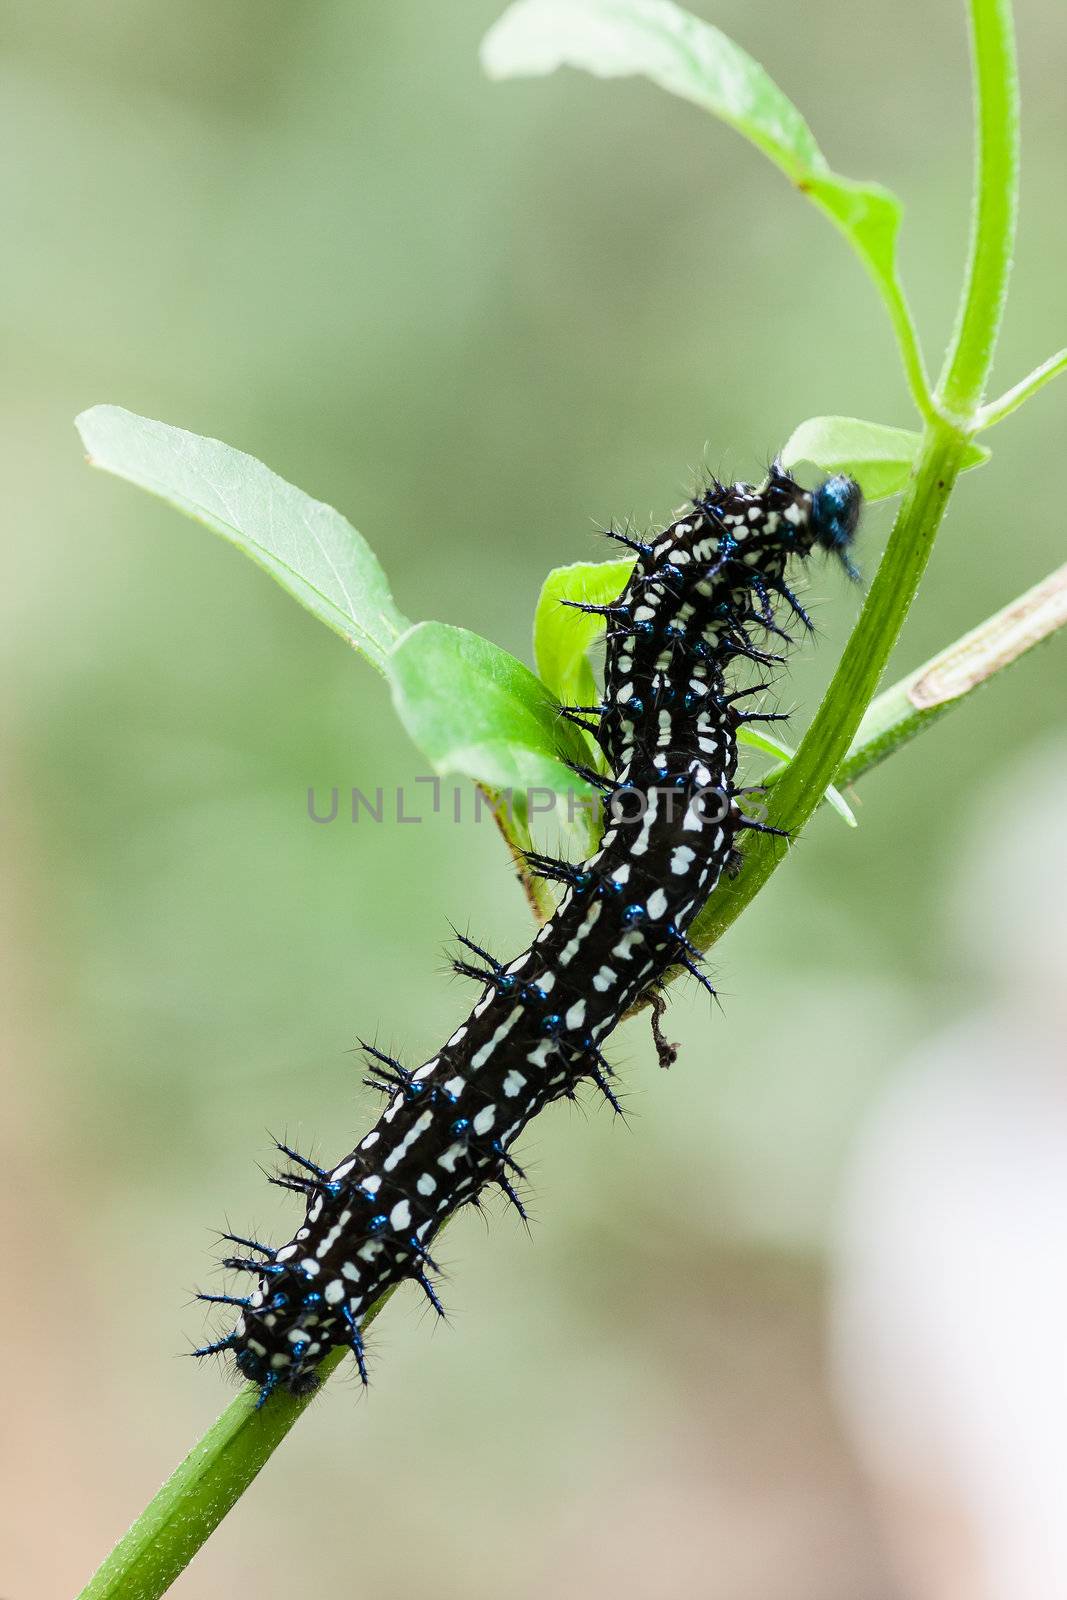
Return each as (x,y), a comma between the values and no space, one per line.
(496,52)
(85,422)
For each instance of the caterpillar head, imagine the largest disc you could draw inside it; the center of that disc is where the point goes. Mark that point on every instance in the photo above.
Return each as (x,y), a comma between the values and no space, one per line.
(761,526)
(835,511)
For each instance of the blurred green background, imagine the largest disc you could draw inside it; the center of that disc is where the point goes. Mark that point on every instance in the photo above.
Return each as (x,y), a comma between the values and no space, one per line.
(480,320)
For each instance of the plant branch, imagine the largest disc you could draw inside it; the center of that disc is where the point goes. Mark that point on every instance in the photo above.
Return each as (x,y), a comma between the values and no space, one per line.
(996,91)
(221,1466)
(1012,398)
(200,1492)
(945,438)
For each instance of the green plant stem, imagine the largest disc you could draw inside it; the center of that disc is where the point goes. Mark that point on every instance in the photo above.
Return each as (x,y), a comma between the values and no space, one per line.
(1014,397)
(907,337)
(220,1467)
(996,189)
(945,438)
(200,1492)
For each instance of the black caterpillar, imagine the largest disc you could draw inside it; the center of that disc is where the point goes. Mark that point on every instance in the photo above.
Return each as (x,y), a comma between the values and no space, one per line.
(700,594)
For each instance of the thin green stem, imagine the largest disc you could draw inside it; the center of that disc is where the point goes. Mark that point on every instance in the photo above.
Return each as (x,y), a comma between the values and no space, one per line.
(945,439)
(970,353)
(908,344)
(1013,398)
(200,1492)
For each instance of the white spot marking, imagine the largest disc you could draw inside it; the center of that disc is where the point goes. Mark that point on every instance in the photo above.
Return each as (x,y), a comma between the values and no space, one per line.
(450,1157)
(570,949)
(416,1131)
(329,1241)
(640,844)
(480,1057)
(625,945)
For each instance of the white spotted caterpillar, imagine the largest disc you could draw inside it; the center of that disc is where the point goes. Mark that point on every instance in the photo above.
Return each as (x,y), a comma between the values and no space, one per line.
(699,594)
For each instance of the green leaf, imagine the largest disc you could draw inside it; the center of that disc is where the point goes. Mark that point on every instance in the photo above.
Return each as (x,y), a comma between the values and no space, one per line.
(473,709)
(306,546)
(868,215)
(693,59)
(687,57)
(879,458)
(562,635)
(778,747)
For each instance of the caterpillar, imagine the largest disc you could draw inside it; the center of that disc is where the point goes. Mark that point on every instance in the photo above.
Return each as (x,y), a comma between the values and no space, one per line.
(701,596)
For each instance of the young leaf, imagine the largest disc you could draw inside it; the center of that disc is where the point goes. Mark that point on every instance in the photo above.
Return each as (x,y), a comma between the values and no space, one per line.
(878,457)
(562,635)
(693,59)
(472,708)
(306,546)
